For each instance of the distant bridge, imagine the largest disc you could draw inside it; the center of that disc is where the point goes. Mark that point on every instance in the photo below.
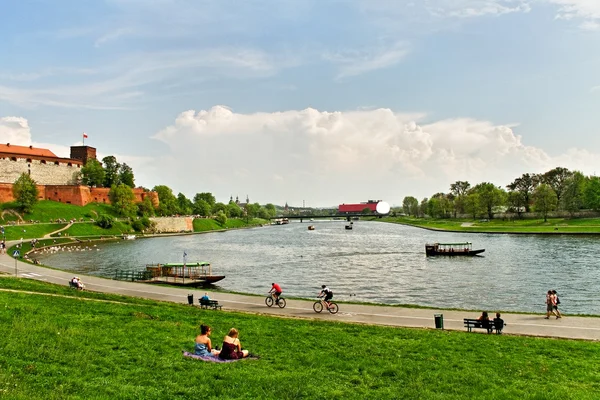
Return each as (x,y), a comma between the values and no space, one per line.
(347,217)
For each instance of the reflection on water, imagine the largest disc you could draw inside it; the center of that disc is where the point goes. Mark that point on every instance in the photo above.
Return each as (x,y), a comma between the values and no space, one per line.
(374,262)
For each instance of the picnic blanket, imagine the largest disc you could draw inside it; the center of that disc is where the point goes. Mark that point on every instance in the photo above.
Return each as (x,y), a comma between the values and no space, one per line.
(213,358)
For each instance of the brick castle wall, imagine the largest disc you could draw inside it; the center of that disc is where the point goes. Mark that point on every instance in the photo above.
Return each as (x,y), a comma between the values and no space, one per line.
(75,194)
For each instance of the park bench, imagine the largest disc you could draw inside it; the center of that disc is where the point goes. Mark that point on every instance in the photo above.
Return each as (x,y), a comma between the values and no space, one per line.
(214,304)
(489,326)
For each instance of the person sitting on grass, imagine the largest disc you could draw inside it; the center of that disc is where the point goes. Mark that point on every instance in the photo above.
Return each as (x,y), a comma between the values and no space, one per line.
(203,346)
(232,348)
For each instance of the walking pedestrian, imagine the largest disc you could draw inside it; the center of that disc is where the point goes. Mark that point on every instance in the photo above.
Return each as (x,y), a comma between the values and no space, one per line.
(549,304)
(555,303)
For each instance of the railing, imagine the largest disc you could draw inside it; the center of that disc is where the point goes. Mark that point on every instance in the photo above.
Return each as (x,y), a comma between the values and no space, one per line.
(122,275)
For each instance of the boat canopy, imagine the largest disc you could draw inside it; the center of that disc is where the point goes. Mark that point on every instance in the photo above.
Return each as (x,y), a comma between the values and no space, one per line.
(187,264)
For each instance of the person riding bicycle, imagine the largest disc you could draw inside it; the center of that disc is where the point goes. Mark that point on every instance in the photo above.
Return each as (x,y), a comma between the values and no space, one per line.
(325,291)
(276,291)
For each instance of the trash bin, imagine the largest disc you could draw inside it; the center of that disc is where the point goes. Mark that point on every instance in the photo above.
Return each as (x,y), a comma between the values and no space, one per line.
(190,299)
(439,321)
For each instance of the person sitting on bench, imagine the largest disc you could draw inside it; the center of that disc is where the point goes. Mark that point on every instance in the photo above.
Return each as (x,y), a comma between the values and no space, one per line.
(76,282)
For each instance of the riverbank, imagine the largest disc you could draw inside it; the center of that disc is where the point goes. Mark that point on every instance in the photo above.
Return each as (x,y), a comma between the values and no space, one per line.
(117,346)
(556,226)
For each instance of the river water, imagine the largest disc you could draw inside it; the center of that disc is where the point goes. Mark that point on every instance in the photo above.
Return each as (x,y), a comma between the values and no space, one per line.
(375,262)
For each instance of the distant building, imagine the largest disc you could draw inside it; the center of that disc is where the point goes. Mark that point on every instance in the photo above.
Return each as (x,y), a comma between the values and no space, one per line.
(358,208)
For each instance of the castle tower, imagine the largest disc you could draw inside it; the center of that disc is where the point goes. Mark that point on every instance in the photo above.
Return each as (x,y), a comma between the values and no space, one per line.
(83,153)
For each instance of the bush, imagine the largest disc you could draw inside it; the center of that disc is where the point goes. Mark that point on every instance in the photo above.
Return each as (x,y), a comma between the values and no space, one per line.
(221,218)
(143,224)
(105,221)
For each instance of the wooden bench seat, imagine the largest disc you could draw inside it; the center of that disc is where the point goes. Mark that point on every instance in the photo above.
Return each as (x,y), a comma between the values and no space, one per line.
(490,326)
(214,304)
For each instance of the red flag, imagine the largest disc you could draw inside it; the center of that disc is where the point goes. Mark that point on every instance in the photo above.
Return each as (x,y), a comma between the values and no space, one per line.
(85,136)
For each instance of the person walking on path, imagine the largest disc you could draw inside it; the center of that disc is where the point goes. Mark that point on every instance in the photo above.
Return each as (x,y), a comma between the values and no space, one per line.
(556,302)
(550,300)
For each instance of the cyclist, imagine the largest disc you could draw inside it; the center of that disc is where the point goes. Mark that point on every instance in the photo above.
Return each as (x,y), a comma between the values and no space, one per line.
(276,291)
(325,291)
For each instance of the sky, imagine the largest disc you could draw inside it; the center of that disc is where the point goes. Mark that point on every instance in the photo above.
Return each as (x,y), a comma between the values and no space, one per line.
(307,102)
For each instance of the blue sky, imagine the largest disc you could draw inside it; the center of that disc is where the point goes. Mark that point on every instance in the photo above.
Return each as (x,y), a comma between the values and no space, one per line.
(317,101)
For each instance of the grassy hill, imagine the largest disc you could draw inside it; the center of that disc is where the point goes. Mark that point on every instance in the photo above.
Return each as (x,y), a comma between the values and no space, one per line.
(43,220)
(77,345)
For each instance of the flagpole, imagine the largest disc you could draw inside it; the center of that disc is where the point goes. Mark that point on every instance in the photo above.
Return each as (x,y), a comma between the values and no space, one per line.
(84,138)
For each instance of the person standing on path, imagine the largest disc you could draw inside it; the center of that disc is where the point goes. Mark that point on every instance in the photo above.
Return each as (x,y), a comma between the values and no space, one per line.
(550,304)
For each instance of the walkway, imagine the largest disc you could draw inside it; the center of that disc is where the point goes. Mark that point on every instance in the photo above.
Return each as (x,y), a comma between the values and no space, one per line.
(517,324)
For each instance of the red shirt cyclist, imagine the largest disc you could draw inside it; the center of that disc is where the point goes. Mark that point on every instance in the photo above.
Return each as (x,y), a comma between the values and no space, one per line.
(276,291)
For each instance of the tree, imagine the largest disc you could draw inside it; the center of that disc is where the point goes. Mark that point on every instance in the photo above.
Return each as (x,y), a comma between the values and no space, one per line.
(145,208)
(472,204)
(219,207)
(201,207)
(410,206)
(123,200)
(167,202)
(423,207)
(184,205)
(459,189)
(264,213)
(525,185)
(206,196)
(221,218)
(233,210)
(25,192)
(366,210)
(591,193)
(490,197)
(111,171)
(516,202)
(271,210)
(252,210)
(557,179)
(105,221)
(572,198)
(545,200)
(126,175)
(92,174)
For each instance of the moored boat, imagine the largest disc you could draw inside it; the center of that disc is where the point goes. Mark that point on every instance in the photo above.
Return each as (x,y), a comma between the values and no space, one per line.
(311,227)
(178,274)
(451,249)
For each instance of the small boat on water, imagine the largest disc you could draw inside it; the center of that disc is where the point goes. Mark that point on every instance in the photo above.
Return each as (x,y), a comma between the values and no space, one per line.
(128,237)
(350,225)
(451,249)
(311,227)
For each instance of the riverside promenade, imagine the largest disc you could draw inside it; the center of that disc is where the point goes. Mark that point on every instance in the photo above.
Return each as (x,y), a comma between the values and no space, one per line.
(587,328)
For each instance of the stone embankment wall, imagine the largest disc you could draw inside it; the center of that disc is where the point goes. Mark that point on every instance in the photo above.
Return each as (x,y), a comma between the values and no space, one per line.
(173,224)
(41,171)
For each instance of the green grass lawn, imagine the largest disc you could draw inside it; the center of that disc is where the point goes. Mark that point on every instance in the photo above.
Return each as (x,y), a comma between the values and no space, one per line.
(47,210)
(555,225)
(61,348)
(30,231)
(209,224)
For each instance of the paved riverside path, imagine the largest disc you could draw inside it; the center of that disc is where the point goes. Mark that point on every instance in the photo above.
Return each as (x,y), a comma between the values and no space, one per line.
(517,324)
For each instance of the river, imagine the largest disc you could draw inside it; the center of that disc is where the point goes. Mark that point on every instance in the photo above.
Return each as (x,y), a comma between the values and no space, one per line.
(375,262)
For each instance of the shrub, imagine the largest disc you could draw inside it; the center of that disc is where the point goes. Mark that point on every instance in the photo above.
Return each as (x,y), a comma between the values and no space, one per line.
(105,221)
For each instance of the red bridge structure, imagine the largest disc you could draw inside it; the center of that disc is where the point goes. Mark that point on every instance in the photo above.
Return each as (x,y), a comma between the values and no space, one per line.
(358,208)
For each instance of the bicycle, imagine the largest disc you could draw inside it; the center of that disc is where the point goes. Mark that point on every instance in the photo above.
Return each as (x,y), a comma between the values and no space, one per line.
(270,300)
(318,306)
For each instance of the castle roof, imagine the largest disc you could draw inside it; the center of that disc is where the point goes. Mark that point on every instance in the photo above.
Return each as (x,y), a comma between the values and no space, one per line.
(26,150)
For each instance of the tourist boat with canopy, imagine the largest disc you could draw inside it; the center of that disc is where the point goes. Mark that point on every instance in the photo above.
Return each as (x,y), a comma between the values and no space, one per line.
(451,249)
(189,274)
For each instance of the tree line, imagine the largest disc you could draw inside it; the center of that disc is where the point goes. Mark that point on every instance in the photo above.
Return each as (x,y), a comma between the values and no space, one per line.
(556,190)
(119,177)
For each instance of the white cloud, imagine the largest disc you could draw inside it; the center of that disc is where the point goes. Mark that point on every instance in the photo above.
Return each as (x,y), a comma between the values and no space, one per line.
(331,157)
(15,130)
(476,8)
(122,84)
(586,10)
(357,62)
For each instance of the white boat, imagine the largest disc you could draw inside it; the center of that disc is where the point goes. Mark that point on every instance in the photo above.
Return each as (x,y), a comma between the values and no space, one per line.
(128,237)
